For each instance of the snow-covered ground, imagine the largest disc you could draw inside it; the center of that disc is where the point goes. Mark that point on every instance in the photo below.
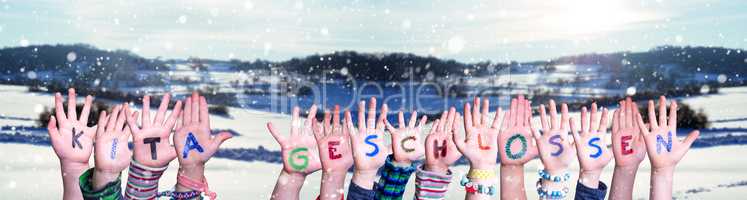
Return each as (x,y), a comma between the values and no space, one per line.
(32,172)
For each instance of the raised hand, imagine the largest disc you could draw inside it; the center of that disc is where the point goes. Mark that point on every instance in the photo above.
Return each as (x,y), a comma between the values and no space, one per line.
(406,145)
(591,145)
(72,141)
(111,152)
(369,150)
(299,149)
(516,137)
(440,150)
(555,149)
(151,140)
(664,149)
(481,143)
(71,138)
(628,146)
(334,145)
(194,142)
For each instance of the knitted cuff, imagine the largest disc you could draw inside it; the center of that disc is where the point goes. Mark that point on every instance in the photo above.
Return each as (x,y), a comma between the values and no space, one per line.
(142,182)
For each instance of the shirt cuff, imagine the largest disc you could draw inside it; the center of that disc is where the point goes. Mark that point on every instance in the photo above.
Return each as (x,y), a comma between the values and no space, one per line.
(356,192)
(111,191)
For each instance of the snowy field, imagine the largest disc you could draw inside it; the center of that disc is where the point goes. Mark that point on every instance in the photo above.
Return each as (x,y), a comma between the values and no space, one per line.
(32,172)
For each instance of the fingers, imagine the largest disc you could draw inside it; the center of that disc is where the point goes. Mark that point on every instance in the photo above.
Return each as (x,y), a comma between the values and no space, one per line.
(275,134)
(497,118)
(459,140)
(390,128)
(187,113)
(382,117)
(485,110)
(161,114)
(336,119)
(593,122)
(71,115)
(564,117)
(543,117)
(451,120)
(371,121)
(311,117)
(295,120)
(120,121)
(422,122)
(584,122)
(521,113)
(629,117)
(636,114)
(326,123)
(528,113)
(86,110)
(401,119)
(146,112)
(195,107)
(131,120)
(349,126)
(361,116)
(506,122)
(113,118)
(413,119)
(603,121)
(641,125)
(475,112)
(58,108)
(652,116)
(171,121)
(204,115)
(434,127)
(673,115)
(100,125)
(513,113)
(662,111)
(468,117)
(554,123)
(574,130)
(615,121)
(219,139)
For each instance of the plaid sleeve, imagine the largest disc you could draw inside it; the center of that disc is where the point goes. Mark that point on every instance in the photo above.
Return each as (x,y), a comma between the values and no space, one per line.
(393,180)
(112,190)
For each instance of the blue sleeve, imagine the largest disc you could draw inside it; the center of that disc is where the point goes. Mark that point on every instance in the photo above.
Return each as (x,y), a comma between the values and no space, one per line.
(356,192)
(586,193)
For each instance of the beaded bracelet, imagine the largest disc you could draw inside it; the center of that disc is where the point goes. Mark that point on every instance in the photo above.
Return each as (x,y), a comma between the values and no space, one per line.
(472,187)
(557,178)
(554,194)
(179,195)
(480,174)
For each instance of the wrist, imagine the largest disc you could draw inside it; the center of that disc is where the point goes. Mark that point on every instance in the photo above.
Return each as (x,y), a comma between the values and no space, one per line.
(194,172)
(436,168)
(626,168)
(482,166)
(364,178)
(102,177)
(589,178)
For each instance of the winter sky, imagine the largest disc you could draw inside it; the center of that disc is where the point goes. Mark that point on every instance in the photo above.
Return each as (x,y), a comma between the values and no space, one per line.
(465,30)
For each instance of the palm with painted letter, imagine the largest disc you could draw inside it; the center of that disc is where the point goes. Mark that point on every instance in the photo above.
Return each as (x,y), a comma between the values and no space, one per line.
(150,140)
(516,140)
(299,149)
(111,152)
(664,149)
(440,150)
(71,138)
(193,141)
(481,143)
(556,151)
(406,144)
(628,146)
(334,145)
(369,150)
(591,142)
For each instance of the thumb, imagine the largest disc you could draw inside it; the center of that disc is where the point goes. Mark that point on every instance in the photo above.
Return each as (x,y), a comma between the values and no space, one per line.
(220,138)
(691,138)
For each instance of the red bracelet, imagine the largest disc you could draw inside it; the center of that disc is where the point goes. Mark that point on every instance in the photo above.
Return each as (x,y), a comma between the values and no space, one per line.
(195,185)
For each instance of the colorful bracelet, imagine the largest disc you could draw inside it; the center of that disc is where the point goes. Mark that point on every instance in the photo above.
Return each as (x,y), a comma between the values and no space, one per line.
(557,178)
(195,185)
(179,195)
(554,194)
(476,188)
(480,174)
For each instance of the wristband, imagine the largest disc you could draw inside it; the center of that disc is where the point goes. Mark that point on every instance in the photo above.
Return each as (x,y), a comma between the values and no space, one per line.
(477,188)
(480,174)
(554,178)
(179,195)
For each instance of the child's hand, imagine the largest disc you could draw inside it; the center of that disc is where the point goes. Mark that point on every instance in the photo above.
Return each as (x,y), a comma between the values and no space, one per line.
(334,145)
(516,134)
(369,150)
(664,149)
(299,149)
(481,144)
(628,146)
(440,150)
(151,140)
(111,152)
(555,149)
(194,143)
(591,145)
(406,144)
(71,138)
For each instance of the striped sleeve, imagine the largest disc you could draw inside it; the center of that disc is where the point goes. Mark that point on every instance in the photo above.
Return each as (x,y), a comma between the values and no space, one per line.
(431,185)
